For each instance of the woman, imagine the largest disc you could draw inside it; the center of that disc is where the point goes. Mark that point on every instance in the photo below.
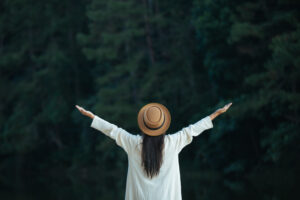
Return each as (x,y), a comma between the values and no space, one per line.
(153,168)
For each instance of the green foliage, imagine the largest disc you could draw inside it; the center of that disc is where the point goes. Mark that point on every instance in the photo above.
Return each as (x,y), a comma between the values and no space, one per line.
(39,73)
(114,56)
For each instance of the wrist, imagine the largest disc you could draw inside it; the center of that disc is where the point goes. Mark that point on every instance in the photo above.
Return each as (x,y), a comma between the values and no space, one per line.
(219,111)
(90,115)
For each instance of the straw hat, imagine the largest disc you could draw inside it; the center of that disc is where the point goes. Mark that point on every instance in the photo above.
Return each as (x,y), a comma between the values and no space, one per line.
(154,119)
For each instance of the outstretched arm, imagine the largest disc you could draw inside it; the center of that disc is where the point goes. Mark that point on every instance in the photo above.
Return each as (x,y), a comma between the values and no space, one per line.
(185,136)
(121,136)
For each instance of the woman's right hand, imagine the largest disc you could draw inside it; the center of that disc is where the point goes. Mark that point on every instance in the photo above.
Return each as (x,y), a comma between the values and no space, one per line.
(85,112)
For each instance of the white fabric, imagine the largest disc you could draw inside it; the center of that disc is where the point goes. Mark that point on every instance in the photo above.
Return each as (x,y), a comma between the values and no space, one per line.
(167,184)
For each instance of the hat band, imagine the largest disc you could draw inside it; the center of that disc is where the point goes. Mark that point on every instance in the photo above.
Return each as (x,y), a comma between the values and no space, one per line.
(154,128)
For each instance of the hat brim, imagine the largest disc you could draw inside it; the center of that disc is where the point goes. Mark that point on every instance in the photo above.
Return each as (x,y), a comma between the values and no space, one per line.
(159,131)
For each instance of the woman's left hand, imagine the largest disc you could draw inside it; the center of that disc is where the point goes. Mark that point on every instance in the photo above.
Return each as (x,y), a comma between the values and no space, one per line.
(224,109)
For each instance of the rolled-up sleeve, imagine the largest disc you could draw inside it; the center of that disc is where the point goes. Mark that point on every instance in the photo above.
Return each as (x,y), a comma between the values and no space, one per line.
(185,136)
(121,136)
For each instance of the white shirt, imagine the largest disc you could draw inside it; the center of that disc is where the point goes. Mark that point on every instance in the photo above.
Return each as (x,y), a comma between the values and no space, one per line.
(166,185)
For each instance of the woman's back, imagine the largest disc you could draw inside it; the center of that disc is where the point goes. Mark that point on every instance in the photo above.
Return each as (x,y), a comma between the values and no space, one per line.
(167,184)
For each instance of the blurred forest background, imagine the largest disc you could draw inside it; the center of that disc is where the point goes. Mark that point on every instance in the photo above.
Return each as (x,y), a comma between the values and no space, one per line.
(114,56)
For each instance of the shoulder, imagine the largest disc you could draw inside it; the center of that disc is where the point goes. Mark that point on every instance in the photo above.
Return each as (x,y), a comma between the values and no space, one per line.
(135,139)
(170,138)
(135,145)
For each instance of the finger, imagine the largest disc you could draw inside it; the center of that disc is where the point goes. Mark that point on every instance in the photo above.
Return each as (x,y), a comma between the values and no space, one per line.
(228,105)
(80,108)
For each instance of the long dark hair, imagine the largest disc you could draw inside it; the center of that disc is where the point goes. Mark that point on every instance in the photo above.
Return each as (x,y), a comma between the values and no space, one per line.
(152,154)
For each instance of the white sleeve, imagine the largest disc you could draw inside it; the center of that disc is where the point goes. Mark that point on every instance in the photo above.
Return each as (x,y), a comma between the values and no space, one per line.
(121,136)
(185,136)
